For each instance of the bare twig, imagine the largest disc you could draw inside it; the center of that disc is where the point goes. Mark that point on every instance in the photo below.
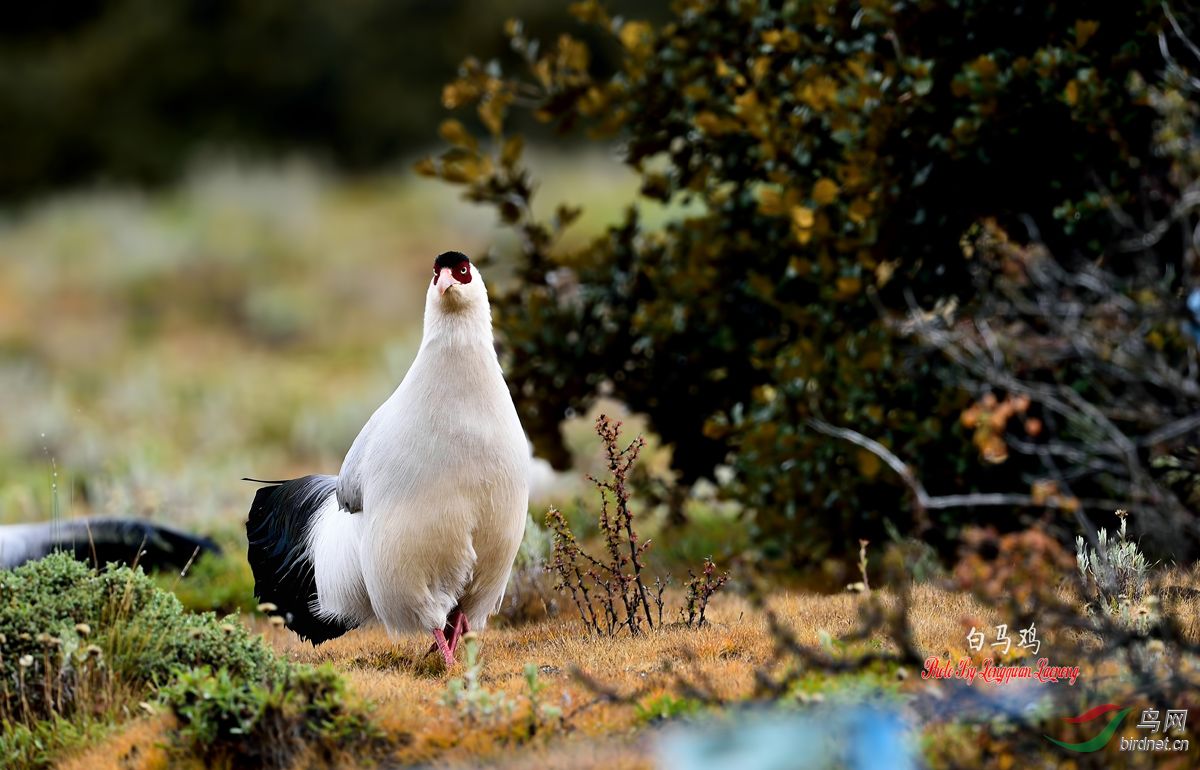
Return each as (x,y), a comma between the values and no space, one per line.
(612,595)
(1076,344)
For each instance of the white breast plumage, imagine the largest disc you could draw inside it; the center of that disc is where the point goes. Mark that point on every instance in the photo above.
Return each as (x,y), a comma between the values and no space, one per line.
(420,528)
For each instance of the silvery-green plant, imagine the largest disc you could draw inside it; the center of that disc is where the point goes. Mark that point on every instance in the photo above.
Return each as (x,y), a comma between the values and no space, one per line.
(1114,571)
(476,704)
(539,710)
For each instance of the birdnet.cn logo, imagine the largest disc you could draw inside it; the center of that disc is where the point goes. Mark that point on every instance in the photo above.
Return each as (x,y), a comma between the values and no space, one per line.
(1171,720)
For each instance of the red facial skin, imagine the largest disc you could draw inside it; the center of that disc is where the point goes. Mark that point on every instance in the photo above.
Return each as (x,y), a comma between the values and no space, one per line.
(462,272)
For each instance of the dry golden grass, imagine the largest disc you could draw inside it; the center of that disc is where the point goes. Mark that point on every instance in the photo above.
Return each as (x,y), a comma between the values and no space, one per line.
(141,745)
(406,689)
(1180,589)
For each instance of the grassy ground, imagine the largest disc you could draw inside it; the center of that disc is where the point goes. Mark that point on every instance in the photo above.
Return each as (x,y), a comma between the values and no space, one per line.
(650,676)
(408,691)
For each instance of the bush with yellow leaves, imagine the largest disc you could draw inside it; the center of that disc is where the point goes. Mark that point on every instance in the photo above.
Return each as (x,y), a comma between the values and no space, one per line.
(820,163)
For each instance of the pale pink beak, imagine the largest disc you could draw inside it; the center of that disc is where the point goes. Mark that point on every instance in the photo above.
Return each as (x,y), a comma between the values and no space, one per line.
(445,280)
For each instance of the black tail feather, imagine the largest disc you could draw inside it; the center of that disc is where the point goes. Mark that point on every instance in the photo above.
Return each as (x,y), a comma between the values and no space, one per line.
(283,572)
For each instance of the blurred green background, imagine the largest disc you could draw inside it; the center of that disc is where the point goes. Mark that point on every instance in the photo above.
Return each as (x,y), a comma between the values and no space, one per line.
(212,247)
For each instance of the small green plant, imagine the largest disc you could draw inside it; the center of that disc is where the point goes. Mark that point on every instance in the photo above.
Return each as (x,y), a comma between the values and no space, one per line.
(1115,571)
(25,747)
(611,594)
(667,706)
(478,707)
(231,721)
(470,700)
(540,712)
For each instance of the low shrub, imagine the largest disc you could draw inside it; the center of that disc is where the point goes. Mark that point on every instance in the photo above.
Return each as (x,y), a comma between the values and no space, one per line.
(818,163)
(666,707)
(72,638)
(80,648)
(229,721)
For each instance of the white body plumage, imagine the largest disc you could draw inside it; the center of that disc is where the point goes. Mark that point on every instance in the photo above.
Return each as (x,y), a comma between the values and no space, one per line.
(437,480)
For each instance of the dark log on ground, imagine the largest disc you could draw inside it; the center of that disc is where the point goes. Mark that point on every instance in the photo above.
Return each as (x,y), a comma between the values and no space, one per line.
(103,540)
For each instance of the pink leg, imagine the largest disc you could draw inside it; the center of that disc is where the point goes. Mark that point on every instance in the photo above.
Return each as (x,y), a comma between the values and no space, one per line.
(449,632)
(451,635)
(457,623)
(439,641)
(453,628)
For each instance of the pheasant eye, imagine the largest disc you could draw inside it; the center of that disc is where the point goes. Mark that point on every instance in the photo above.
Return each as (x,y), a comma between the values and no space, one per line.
(463,270)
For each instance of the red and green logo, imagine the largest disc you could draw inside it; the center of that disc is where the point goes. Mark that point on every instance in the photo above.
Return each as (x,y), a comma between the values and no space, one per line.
(1103,737)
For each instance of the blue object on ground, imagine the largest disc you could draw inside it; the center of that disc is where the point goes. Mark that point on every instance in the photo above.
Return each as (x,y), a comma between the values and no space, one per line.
(1191,325)
(852,737)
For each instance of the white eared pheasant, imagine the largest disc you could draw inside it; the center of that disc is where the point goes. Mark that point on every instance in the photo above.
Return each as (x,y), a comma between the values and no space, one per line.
(420,528)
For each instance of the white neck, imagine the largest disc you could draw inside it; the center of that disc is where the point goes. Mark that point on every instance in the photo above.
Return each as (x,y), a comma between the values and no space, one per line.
(457,350)
(462,327)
